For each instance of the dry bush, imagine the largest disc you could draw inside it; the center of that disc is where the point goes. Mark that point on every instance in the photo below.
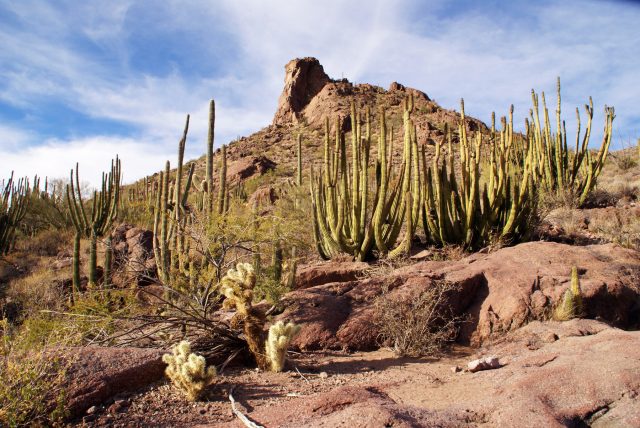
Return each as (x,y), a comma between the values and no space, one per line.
(382,267)
(418,324)
(620,226)
(601,198)
(46,243)
(43,289)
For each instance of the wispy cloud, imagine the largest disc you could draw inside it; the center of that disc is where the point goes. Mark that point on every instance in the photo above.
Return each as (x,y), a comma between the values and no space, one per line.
(145,65)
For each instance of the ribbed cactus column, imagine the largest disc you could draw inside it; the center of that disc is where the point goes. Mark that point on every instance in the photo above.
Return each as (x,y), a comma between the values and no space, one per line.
(14,200)
(104,210)
(209,172)
(340,195)
(222,191)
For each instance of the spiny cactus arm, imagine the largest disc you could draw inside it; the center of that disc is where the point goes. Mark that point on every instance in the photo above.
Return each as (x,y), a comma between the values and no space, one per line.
(85,223)
(177,197)
(381,208)
(299,161)
(187,187)
(559,155)
(209,166)
(577,154)
(222,191)
(325,243)
(157,227)
(164,265)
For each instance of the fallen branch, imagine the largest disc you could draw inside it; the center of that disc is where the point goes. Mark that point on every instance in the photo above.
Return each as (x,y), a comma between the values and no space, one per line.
(302,376)
(245,420)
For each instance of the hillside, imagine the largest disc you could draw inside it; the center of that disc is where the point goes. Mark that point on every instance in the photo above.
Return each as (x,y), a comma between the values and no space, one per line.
(310,96)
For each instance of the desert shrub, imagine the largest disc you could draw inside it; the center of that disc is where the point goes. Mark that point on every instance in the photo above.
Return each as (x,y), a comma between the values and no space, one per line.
(188,371)
(628,192)
(43,289)
(46,243)
(418,324)
(269,289)
(30,381)
(625,159)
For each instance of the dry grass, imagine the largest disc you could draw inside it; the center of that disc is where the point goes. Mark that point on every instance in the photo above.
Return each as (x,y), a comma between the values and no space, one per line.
(31,384)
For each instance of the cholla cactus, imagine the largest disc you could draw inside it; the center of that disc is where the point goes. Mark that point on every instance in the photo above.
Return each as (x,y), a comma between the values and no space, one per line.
(571,306)
(280,335)
(187,371)
(237,286)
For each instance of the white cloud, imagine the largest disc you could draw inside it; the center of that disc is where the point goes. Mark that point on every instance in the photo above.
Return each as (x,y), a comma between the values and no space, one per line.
(490,58)
(56,158)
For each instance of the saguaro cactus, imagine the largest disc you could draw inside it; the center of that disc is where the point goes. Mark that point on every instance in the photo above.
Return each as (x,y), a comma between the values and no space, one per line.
(104,210)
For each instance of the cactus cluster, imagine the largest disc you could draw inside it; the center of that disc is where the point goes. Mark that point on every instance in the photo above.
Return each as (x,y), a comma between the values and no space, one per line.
(188,371)
(104,209)
(170,217)
(341,195)
(237,288)
(555,166)
(477,193)
(173,213)
(472,200)
(14,199)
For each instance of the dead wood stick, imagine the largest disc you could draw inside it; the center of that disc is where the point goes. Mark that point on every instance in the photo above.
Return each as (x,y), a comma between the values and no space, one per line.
(245,420)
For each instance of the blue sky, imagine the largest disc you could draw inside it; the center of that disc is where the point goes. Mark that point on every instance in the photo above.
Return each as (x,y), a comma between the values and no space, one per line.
(84,81)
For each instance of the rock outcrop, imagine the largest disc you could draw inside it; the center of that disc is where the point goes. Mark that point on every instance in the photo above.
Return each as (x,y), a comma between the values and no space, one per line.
(247,167)
(304,78)
(97,374)
(585,375)
(134,262)
(498,292)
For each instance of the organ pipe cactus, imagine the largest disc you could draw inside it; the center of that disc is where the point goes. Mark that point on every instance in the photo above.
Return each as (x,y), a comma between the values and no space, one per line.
(555,166)
(467,207)
(14,199)
(340,200)
(170,218)
(223,204)
(104,209)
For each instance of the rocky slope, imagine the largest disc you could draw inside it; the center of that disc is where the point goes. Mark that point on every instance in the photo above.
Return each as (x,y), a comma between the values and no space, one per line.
(310,96)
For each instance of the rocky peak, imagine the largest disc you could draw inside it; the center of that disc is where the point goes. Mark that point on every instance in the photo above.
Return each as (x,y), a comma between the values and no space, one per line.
(304,79)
